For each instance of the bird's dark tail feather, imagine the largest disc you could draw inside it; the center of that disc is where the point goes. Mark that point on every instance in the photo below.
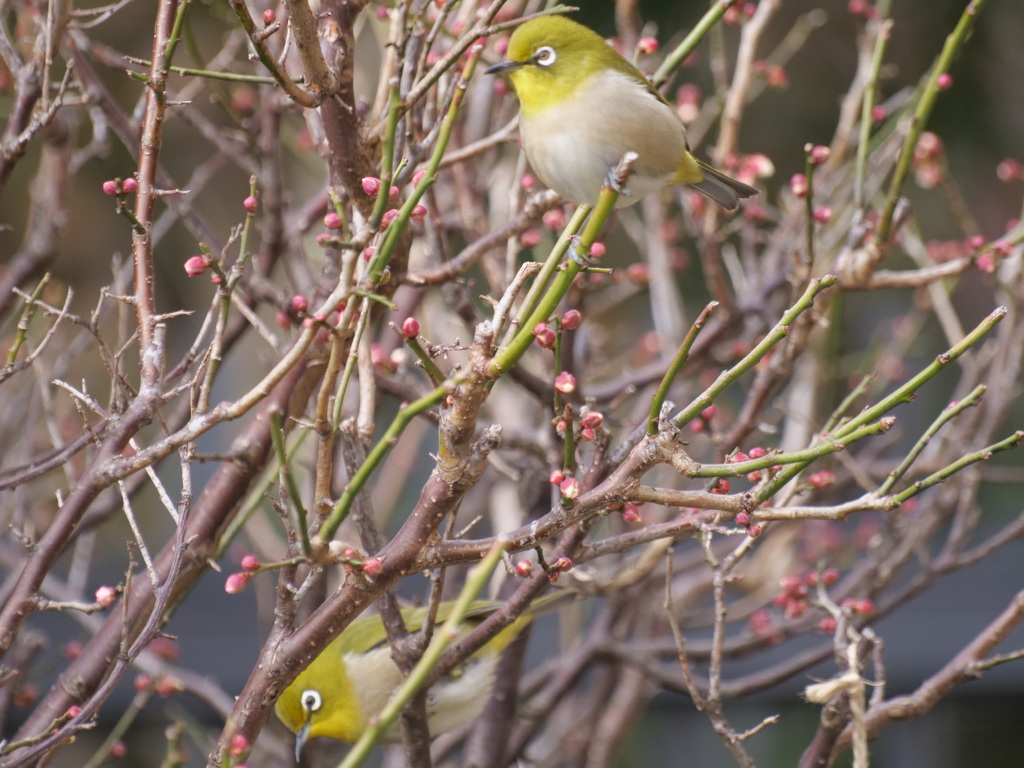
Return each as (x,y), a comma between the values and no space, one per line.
(724,190)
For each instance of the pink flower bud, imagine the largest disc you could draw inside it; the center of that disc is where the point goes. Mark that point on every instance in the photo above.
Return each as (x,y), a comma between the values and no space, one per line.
(393,193)
(106,595)
(418,177)
(249,204)
(819,154)
(368,253)
(556,477)
(530,238)
(73,711)
(554,220)
(389,215)
(545,336)
(110,187)
(524,568)
(647,46)
(570,488)
(410,328)
(332,220)
(129,185)
(1009,170)
(72,649)
(630,513)
(798,183)
(592,420)
(822,214)
(709,413)
(571,319)
(723,486)
(878,113)
(299,303)
(239,745)
(269,17)
(419,211)
(529,181)
(743,519)
(168,685)
(944,81)
(196,265)
(562,564)
(372,566)
(236,583)
(371,185)
(251,563)
(822,479)
(565,382)
(757,452)
(754,530)
(597,250)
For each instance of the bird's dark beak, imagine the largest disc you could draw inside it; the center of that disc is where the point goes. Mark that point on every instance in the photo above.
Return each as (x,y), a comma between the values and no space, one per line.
(504,66)
(300,739)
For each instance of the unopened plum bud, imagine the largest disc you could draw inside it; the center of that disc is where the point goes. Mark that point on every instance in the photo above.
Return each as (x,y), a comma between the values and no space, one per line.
(530,238)
(129,185)
(597,250)
(798,183)
(819,154)
(570,488)
(110,187)
(743,519)
(249,204)
(372,566)
(524,568)
(371,185)
(105,596)
(410,328)
(299,303)
(236,582)
(332,220)
(647,46)
(571,319)
(418,177)
(545,336)
(562,564)
(944,81)
(389,215)
(556,477)
(822,214)
(250,563)
(592,420)
(239,745)
(630,513)
(196,265)
(269,17)
(565,382)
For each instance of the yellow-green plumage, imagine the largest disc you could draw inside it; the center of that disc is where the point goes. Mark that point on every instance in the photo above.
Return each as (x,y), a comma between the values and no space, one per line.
(352,680)
(583,107)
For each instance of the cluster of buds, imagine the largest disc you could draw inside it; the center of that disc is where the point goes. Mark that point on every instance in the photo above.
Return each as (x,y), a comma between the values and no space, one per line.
(738,12)
(703,421)
(118,187)
(775,75)
(929,165)
(561,565)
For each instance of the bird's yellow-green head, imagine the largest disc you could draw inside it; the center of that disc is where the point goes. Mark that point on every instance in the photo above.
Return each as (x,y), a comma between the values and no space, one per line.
(550,57)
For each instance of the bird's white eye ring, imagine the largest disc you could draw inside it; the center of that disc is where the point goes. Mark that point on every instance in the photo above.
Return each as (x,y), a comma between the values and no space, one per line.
(311,700)
(545,56)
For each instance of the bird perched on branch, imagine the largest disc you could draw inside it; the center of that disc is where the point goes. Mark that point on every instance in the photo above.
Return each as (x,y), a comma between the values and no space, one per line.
(352,680)
(583,106)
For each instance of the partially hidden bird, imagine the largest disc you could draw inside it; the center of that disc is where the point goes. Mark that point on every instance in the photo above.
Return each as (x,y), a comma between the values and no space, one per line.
(352,680)
(583,106)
